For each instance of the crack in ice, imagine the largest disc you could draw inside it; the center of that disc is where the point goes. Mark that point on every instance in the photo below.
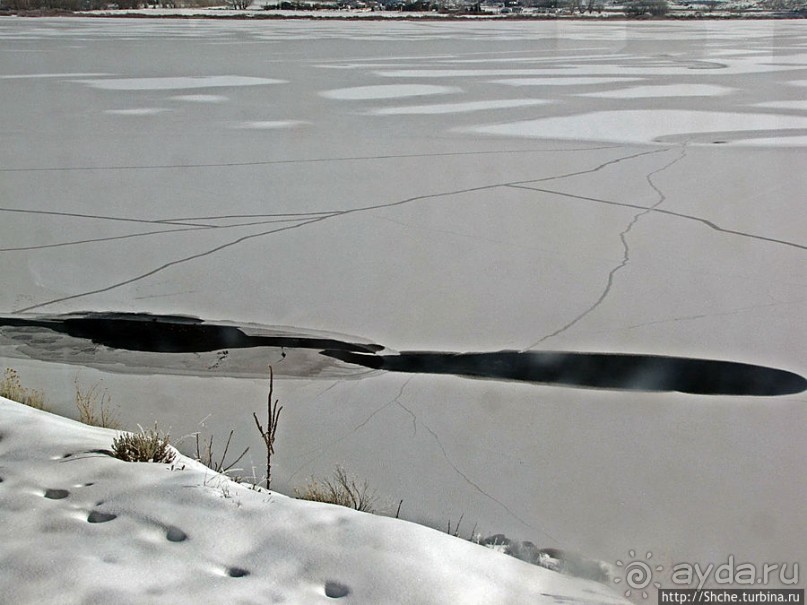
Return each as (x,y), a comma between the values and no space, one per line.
(477,488)
(165,266)
(681,215)
(103,217)
(414,418)
(623,236)
(315,219)
(148,234)
(588,170)
(297,161)
(320,450)
(702,316)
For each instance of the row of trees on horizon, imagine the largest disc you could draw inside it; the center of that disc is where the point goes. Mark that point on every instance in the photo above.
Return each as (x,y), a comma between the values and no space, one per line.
(630,8)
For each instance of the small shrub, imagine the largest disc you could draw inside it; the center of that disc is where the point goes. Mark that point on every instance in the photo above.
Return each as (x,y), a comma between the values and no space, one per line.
(11,388)
(93,407)
(342,490)
(146,446)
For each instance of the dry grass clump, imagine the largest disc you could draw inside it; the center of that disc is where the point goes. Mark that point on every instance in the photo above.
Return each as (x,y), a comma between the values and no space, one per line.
(342,489)
(11,388)
(146,446)
(93,407)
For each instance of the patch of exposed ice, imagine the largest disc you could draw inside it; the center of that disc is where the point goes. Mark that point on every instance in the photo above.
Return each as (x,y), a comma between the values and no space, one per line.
(270,124)
(361,65)
(662,90)
(797,141)
(466,73)
(669,68)
(201,98)
(531,58)
(469,106)
(797,59)
(55,75)
(388,91)
(798,105)
(563,81)
(142,111)
(178,83)
(641,126)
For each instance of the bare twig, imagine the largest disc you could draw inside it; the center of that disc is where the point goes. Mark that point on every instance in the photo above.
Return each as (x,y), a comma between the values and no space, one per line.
(273,410)
(456,531)
(208,459)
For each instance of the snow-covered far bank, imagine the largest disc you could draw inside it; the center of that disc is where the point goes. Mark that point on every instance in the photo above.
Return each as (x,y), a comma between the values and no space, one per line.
(93,529)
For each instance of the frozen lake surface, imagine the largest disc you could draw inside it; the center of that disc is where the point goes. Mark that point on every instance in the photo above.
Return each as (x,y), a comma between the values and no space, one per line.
(618,188)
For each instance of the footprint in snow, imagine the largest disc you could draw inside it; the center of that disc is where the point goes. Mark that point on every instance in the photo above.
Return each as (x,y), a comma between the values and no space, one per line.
(56,494)
(174,534)
(335,590)
(99,517)
(237,572)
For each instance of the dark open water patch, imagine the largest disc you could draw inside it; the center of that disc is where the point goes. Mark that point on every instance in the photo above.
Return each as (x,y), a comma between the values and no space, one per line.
(146,344)
(175,344)
(171,333)
(594,370)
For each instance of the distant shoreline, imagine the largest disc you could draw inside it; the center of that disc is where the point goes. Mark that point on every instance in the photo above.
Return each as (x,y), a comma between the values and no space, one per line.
(333,15)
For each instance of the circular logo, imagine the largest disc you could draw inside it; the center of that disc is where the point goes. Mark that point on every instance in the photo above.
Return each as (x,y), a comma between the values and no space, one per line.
(638,574)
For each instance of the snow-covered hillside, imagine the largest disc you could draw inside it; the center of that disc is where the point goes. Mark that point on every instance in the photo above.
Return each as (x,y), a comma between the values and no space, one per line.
(79,526)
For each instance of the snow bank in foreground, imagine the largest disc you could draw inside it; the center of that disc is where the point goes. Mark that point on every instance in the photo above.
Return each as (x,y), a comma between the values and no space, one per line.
(83,527)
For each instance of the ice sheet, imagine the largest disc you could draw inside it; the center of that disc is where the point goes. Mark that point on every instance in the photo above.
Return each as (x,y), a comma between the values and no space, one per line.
(679,232)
